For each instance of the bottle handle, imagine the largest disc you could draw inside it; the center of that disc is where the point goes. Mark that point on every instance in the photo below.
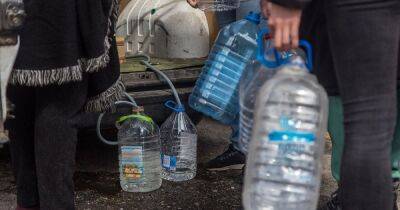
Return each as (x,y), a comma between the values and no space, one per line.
(260,49)
(174,106)
(279,60)
(309,53)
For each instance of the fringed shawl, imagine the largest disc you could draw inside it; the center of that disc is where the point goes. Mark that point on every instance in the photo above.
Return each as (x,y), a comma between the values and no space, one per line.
(64,40)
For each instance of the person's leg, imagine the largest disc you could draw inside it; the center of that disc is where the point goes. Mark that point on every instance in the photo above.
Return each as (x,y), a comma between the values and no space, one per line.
(364,37)
(231,158)
(55,142)
(21,130)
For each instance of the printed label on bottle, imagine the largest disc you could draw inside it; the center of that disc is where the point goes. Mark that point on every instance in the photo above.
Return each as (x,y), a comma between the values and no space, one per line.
(132,162)
(169,162)
(291,136)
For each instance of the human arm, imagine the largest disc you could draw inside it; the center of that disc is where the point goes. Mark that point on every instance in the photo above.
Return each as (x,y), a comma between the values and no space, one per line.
(284,20)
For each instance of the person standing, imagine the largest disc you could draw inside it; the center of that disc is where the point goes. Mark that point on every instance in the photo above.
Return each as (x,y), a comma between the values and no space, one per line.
(363,39)
(232,157)
(67,65)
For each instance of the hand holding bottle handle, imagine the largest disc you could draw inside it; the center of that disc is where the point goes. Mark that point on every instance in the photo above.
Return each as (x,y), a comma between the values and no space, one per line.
(279,60)
(284,23)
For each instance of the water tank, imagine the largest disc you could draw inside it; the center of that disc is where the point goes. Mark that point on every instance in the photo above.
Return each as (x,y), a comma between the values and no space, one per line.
(164,29)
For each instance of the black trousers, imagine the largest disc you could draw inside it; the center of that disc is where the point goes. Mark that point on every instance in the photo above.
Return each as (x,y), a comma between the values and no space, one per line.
(43,142)
(357,44)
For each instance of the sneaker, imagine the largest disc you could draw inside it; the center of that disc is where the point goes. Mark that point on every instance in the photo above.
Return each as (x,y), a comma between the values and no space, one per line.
(334,204)
(230,159)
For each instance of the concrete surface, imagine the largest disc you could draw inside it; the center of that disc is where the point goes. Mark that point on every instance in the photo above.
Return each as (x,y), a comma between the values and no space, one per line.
(97,184)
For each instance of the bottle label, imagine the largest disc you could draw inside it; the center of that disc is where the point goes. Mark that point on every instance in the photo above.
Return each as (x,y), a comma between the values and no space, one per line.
(169,162)
(132,162)
(291,136)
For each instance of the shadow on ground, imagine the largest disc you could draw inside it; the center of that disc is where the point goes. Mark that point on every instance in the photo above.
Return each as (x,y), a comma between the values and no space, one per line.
(97,184)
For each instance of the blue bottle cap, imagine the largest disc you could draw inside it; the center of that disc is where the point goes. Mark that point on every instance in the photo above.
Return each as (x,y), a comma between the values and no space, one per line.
(254,17)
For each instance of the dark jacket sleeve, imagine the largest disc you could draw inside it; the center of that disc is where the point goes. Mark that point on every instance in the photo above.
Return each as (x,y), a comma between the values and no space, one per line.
(300,4)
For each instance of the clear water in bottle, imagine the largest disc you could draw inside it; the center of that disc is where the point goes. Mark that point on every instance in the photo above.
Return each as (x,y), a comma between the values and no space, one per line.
(178,147)
(139,154)
(218,5)
(283,170)
(216,90)
(255,75)
(254,78)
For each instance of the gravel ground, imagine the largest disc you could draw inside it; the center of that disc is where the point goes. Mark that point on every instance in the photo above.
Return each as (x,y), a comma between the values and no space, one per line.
(97,185)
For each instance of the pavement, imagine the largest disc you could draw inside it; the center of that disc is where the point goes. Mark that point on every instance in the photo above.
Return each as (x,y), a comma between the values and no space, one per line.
(97,185)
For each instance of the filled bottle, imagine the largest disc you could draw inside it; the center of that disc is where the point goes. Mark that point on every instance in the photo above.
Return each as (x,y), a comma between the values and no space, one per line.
(257,72)
(178,145)
(283,170)
(139,153)
(216,90)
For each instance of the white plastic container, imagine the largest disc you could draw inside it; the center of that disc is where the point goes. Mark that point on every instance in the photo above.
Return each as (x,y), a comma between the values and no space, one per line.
(139,153)
(256,74)
(164,29)
(178,146)
(283,170)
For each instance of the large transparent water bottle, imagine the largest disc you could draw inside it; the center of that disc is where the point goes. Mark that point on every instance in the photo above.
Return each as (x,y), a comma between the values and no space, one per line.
(283,170)
(178,146)
(255,75)
(218,5)
(139,153)
(216,90)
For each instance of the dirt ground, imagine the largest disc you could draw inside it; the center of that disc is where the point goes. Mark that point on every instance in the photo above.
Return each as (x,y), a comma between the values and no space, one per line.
(97,185)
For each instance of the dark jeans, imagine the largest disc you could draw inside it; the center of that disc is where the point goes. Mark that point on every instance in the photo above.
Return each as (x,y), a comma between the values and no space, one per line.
(43,141)
(357,45)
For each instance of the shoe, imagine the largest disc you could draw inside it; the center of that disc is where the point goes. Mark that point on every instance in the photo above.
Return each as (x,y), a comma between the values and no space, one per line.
(230,159)
(334,204)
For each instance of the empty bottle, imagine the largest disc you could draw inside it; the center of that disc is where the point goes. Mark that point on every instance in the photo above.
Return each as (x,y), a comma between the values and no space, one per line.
(178,145)
(255,75)
(218,5)
(139,153)
(283,170)
(216,90)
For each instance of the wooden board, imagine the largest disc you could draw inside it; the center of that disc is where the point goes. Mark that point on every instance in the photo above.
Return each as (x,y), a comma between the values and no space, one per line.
(134,65)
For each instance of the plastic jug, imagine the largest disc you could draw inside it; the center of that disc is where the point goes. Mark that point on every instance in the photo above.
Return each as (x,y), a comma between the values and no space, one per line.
(255,75)
(178,145)
(283,169)
(218,5)
(216,90)
(164,29)
(139,153)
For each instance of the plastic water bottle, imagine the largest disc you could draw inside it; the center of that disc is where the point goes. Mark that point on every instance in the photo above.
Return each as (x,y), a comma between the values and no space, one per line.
(139,153)
(285,156)
(218,5)
(216,90)
(178,146)
(255,75)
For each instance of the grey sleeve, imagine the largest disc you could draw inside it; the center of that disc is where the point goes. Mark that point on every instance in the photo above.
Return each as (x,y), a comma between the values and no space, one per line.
(300,4)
